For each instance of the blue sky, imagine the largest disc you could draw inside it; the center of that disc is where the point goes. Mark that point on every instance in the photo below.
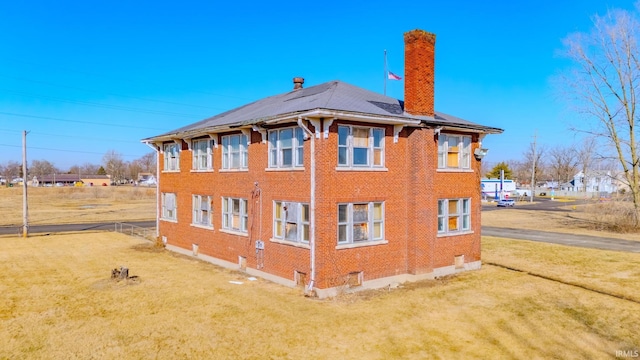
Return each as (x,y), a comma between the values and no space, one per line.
(87,77)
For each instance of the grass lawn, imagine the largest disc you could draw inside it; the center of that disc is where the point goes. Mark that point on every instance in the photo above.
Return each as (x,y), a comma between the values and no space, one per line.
(65,205)
(58,302)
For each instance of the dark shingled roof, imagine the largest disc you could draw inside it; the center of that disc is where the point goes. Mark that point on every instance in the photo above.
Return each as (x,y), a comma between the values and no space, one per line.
(332,96)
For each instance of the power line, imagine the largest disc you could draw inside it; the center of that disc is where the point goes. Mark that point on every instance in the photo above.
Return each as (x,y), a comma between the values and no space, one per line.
(111,94)
(69,151)
(155,85)
(75,137)
(81,122)
(104,106)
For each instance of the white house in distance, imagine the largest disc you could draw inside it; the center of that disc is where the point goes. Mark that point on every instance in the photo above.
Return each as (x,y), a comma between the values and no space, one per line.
(595,181)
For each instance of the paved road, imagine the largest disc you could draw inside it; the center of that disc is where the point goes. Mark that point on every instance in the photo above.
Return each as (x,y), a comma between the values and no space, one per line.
(39,229)
(593,242)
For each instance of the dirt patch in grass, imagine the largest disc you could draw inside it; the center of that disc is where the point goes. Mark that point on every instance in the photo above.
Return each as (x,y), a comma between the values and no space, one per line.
(59,303)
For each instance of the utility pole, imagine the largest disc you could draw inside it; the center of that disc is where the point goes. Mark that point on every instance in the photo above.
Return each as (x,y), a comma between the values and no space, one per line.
(25,209)
(533,167)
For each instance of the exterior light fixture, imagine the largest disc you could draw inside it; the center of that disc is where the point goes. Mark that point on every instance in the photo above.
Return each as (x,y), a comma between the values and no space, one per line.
(480,153)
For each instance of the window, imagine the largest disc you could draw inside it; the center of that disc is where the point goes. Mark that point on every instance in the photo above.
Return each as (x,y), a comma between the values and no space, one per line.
(454,151)
(291,221)
(234,214)
(171,157)
(454,215)
(234,152)
(286,148)
(358,222)
(360,147)
(202,159)
(169,208)
(202,210)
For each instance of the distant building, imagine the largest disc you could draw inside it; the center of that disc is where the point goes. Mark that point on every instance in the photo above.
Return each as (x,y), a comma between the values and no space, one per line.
(595,181)
(71,180)
(496,189)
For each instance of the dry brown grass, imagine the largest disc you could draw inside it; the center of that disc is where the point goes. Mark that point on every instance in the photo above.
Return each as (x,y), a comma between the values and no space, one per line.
(58,302)
(63,205)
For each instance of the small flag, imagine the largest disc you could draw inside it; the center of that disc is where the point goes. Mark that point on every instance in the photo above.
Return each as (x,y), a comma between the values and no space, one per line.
(393,76)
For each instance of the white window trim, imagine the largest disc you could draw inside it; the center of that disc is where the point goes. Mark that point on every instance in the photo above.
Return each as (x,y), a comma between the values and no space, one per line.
(169,200)
(227,215)
(297,160)
(370,151)
(167,160)
(349,242)
(300,222)
(197,209)
(459,213)
(464,152)
(226,154)
(195,152)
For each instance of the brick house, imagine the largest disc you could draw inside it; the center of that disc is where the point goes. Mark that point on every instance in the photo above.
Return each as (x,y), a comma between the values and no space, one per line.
(330,186)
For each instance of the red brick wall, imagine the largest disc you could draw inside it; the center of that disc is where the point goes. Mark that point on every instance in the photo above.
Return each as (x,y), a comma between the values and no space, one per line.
(410,189)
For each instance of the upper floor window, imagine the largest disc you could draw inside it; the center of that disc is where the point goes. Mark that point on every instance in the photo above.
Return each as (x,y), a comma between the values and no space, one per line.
(234,152)
(202,154)
(360,146)
(234,214)
(291,221)
(358,222)
(454,215)
(169,207)
(171,157)
(286,148)
(454,151)
(202,210)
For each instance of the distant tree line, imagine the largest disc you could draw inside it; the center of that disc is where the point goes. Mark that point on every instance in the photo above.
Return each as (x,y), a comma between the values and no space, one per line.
(112,164)
(559,164)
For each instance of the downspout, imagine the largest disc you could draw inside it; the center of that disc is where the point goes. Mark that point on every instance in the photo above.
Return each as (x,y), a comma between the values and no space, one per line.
(157,150)
(312,206)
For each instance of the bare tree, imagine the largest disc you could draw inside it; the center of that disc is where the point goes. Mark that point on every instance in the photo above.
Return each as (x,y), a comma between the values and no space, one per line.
(148,162)
(89,168)
(42,167)
(586,159)
(133,169)
(114,165)
(605,86)
(527,165)
(562,163)
(12,169)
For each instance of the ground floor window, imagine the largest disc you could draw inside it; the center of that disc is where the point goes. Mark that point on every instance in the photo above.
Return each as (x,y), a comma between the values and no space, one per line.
(169,208)
(291,221)
(454,215)
(359,222)
(234,214)
(202,210)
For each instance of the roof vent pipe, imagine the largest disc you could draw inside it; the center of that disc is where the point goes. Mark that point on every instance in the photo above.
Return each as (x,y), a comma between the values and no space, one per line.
(297,83)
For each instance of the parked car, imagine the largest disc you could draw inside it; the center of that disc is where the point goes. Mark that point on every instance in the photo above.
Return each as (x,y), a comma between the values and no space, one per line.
(506,203)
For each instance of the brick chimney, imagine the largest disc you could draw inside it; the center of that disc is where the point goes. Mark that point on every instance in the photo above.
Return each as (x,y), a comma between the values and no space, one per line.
(419,66)
(297,83)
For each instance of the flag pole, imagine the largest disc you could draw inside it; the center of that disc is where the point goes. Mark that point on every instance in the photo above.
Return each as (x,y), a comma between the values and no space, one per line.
(385,72)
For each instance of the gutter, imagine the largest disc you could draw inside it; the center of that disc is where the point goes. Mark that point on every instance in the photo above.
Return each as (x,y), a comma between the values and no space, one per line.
(312,208)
